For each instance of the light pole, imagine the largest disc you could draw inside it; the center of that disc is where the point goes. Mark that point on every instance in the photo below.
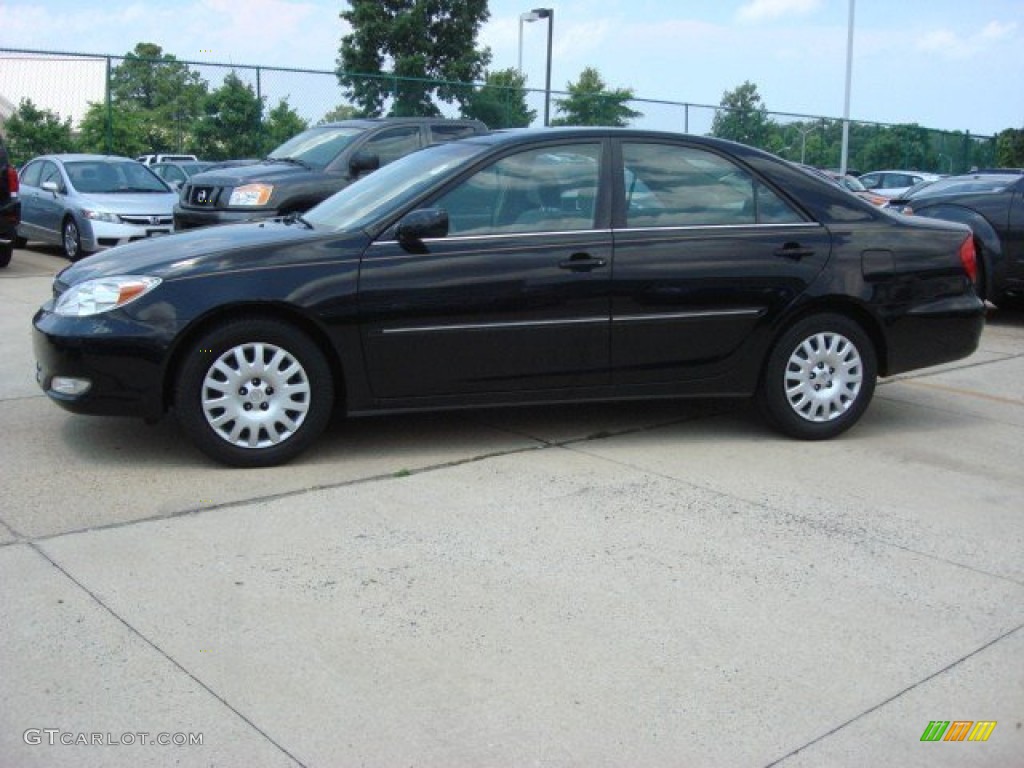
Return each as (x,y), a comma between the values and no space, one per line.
(529,16)
(845,153)
(535,15)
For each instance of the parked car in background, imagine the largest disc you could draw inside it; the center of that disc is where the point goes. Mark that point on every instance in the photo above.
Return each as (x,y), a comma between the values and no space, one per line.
(10,207)
(554,265)
(992,205)
(177,172)
(894,183)
(309,168)
(849,183)
(166,158)
(87,202)
(853,184)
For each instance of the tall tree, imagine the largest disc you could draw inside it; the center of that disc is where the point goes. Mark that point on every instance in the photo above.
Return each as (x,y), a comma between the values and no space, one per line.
(33,131)
(591,103)
(232,121)
(743,117)
(1010,148)
(501,101)
(106,132)
(418,41)
(164,93)
(341,112)
(281,124)
(898,146)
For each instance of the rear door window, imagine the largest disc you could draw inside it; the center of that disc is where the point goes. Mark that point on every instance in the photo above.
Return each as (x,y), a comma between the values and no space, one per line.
(668,185)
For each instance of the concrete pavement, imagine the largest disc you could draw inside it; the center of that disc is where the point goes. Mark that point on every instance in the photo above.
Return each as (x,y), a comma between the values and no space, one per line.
(651,584)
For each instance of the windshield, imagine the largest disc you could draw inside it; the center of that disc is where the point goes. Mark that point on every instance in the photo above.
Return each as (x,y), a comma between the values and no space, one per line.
(316,147)
(375,196)
(103,177)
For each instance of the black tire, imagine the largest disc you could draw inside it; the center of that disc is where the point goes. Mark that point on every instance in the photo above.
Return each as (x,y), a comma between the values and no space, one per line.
(6,251)
(20,242)
(819,378)
(232,393)
(71,239)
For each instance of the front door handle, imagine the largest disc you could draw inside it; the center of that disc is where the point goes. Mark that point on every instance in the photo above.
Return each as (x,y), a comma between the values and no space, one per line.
(793,251)
(581,262)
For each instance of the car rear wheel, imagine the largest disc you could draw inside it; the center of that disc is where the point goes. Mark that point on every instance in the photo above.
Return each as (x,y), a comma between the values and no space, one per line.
(71,239)
(254,393)
(6,251)
(819,378)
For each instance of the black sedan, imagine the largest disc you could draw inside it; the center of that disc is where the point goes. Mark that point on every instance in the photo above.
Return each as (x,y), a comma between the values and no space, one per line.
(525,266)
(991,203)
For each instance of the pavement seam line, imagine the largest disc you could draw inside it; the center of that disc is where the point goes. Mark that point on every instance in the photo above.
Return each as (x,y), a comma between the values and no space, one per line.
(927,374)
(95,598)
(895,696)
(542,444)
(798,519)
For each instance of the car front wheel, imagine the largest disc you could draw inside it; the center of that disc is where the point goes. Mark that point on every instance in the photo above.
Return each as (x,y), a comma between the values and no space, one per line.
(254,392)
(819,378)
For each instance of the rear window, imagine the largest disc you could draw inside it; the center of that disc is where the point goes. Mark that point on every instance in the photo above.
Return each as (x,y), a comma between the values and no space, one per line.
(973,184)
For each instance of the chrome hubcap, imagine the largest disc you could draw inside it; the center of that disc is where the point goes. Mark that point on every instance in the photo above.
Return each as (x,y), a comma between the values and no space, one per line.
(823,377)
(70,239)
(255,395)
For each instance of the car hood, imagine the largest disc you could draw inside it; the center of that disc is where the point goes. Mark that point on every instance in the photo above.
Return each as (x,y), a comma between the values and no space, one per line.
(265,171)
(130,203)
(216,249)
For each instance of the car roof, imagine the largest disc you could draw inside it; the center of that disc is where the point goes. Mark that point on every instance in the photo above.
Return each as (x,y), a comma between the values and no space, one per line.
(77,157)
(369,122)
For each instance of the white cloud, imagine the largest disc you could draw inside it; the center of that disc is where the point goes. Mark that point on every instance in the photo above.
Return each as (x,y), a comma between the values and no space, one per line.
(765,10)
(950,45)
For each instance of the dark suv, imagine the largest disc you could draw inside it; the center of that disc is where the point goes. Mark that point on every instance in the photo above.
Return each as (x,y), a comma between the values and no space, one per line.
(10,207)
(309,168)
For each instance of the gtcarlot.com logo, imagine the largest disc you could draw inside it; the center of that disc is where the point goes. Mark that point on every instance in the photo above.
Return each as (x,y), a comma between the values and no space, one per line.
(958,730)
(54,736)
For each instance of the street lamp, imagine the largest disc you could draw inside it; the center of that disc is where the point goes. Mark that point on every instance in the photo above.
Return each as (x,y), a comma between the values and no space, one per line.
(535,15)
(803,141)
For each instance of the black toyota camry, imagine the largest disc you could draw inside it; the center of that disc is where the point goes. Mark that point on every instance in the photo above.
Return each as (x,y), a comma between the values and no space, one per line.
(525,266)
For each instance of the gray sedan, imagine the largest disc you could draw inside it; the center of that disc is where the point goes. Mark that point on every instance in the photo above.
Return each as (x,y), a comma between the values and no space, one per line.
(88,202)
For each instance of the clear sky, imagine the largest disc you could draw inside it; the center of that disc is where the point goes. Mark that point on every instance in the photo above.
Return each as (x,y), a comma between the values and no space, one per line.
(950,64)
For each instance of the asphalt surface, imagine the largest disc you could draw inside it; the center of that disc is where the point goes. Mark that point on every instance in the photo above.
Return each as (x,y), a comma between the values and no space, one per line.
(659,584)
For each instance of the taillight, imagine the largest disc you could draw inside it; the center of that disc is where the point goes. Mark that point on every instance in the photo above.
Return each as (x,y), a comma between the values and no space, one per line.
(969,258)
(12,181)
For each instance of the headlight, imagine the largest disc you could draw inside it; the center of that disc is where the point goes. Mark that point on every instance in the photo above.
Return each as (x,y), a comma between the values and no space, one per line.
(113,218)
(251,194)
(103,294)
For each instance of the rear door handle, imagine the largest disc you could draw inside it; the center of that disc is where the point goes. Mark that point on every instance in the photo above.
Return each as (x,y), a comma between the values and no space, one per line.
(581,262)
(793,251)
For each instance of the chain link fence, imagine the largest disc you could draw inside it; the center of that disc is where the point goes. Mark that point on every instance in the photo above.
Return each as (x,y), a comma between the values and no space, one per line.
(84,90)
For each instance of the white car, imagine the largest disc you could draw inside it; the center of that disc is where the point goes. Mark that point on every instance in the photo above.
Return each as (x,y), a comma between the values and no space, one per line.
(894,183)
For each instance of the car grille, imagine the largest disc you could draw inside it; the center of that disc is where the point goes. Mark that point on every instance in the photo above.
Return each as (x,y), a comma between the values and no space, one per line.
(201,196)
(147,221)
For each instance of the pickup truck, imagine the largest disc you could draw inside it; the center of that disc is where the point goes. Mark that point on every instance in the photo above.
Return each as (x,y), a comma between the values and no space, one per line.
(309,168)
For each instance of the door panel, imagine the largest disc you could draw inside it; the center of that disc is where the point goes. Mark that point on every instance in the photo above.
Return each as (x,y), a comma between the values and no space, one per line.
(515,298)
(706,255)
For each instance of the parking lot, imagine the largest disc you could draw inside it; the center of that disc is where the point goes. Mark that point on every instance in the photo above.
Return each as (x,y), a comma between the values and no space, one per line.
(647,584)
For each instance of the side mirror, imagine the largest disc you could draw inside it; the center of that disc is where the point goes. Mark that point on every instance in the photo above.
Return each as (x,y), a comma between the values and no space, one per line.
(363,162)
(51,186)
(420,225)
